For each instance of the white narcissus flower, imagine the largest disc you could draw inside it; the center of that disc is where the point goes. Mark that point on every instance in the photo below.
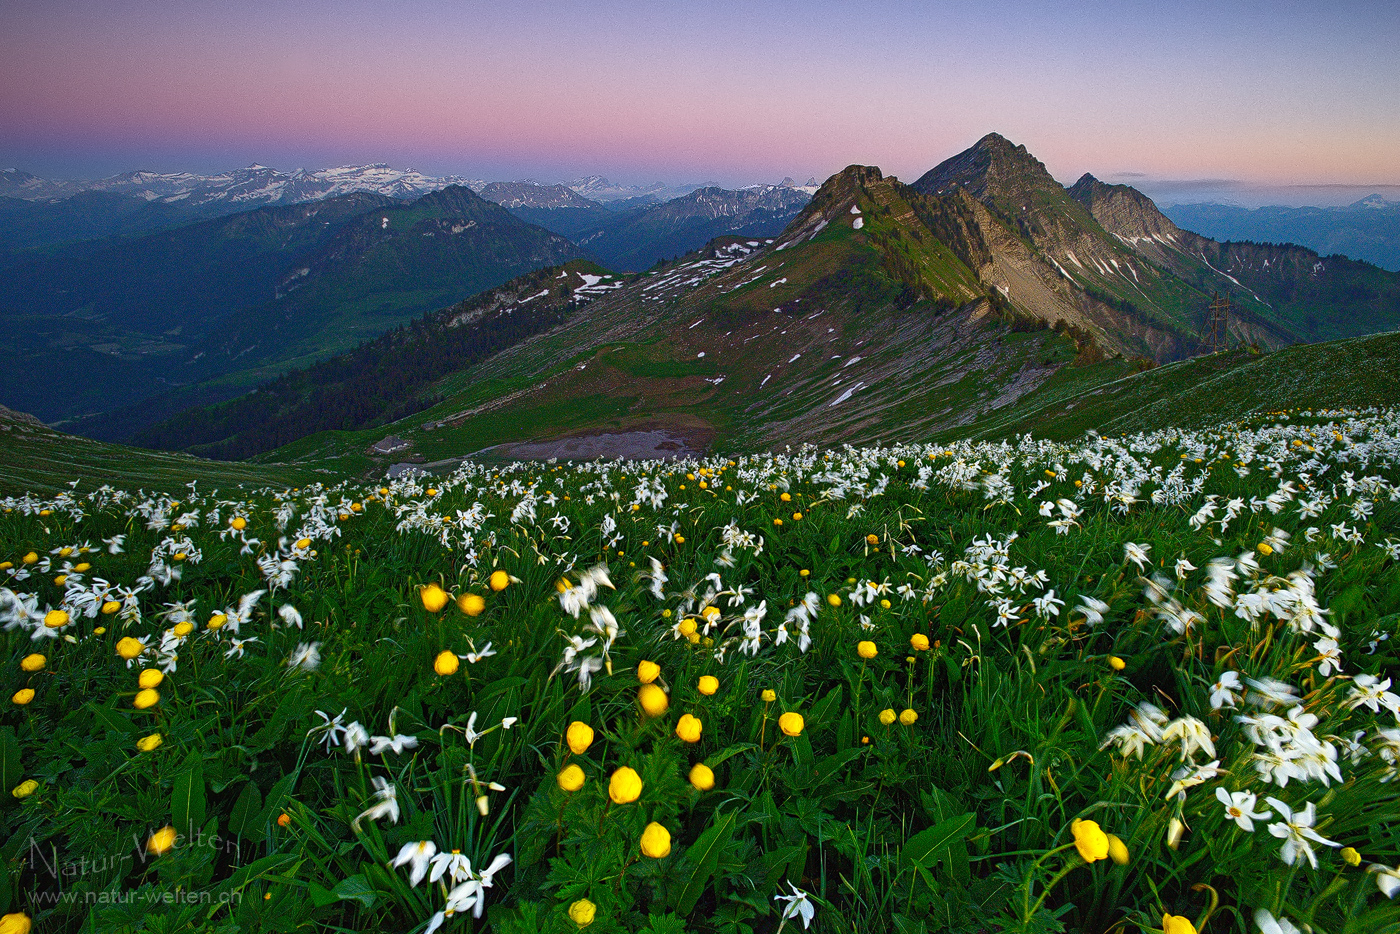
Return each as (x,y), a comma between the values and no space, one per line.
(1223,692)
(1387,879)
(1239,807)
(1296,830)
(419,854)
(1138,554)
(798,903)
(1268,924)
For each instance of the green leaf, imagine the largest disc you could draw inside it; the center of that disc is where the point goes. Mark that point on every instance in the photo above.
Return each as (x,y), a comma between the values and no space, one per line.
(703,856)
(187,796)
(242,821)
(356,889)
(11,769)
(927,847)
(321,896)
(272,804)
(112,720)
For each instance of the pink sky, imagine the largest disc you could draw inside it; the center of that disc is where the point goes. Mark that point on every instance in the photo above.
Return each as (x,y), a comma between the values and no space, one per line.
(1263,93)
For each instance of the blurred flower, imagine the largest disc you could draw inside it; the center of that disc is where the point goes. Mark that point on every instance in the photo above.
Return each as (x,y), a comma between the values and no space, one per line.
(419,855)
(702,776)
(471,604)
(570,778)
(653,700)
(434,597)
(386,804)
(161,841)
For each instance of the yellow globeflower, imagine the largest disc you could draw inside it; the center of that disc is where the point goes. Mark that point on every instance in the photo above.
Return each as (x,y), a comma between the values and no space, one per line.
(34,662)
(887,716)
(30,558)
(1176,924)
(919,641)
(708,685)
(656,841)
(303,543)
(434,597)
(702,776)
(23,696)
(647,672)
(769,695)
(1089,840)
(446,663)
(908,716)
(217,621)
(625,786)
(471,604)
(688,728)
(25,788)
(866,649)
(582,912)
(110,607)
(1116,663)
(128,648)
(183,629)
(500,580)
(16,922)
(161,841)
(570,778)
(872,539)
(579,736)
(1117,850)
(1350,856)
(834,599)
(151,678)
(653,700)
(685,627)
(148,743)
(710,613)
(239,523)
(1264,548)
(56,619)
(791,723)
(147,698)
(84,566)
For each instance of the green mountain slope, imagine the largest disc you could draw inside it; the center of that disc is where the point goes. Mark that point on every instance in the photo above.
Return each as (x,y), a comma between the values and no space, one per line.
(1206,391)
(37,459)
(236,300)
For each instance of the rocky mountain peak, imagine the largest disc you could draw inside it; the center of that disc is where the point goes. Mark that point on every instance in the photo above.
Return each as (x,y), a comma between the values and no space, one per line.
(992,168)
(1122,210)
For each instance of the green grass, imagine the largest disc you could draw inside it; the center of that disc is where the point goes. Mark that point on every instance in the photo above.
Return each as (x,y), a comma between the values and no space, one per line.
(961,819)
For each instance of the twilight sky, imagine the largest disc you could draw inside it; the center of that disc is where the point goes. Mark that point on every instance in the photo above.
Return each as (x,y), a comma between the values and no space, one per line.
(1236,95)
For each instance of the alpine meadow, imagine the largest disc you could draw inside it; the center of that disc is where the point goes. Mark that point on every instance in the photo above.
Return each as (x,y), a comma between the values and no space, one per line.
(522,544)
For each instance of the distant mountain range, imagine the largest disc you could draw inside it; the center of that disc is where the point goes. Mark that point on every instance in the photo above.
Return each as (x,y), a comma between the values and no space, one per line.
(229,302)
(255,186)
(1367,230)
(882,309)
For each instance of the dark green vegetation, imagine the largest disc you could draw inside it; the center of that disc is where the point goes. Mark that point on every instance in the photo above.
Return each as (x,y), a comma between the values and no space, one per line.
(235,300)
(380,381)
(1368,230)
(960,817)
